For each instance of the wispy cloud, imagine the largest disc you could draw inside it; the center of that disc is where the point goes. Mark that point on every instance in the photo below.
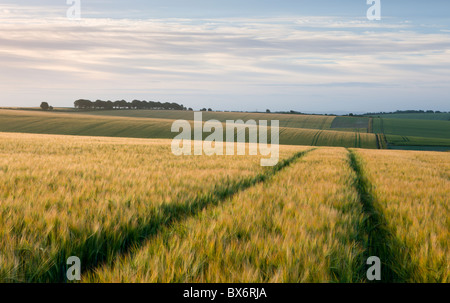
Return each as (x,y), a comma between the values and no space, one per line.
(197,58)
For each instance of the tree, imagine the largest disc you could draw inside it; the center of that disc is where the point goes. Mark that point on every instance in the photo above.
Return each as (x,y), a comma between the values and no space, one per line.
(136,104)
(209,109)
(268,111)
(83,104)
(123,104)
(109,105)
(44,106)
(99,104)
(117,104)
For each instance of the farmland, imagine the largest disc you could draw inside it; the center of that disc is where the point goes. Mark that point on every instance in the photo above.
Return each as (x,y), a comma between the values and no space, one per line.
(93,197)
(417,141)
(411,127)
(132,211)
(314,130)
(412,191)
(309,214)
(358,124)
(286,120)
(419,116)
(141,125)
(414,133)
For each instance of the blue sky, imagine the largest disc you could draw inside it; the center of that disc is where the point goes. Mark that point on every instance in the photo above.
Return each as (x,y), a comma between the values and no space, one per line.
(311,56)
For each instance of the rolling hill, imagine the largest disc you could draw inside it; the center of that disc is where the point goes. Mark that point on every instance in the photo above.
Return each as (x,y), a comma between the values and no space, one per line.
(144,124)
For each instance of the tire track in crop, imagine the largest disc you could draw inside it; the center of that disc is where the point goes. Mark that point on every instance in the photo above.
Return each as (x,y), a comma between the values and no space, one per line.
(377,137)
(166,215)
(357,139)
(316,138)
(375,235)
(381,141)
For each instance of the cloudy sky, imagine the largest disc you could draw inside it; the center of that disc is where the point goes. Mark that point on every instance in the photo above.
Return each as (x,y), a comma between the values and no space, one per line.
(310,56)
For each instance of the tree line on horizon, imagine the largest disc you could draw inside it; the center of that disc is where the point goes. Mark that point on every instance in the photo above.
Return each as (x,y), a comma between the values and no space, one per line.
(122,104)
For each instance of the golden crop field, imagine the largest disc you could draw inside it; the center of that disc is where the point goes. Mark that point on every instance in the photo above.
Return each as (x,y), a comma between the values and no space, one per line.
(299,227)
(132,211)
(94,197)
(412,190)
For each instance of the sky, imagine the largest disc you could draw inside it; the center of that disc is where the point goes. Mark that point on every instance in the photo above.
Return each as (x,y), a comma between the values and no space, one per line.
(321,56)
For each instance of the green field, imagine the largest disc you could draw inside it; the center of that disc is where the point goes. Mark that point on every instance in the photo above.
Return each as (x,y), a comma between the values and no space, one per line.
(410,127)
(286,120)
(157,124)
(417,141)
(411,132)
(314,130)
(357,124)
(418,116)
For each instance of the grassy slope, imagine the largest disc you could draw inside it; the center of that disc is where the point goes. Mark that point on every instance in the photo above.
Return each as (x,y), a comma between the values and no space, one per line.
(83,125)
(286,120)
(358,124)
(424,116)
(410,127)
(416,141)
(414,132)
(132,127)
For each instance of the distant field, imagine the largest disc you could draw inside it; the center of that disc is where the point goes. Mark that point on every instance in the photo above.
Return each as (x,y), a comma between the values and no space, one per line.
(419,116)
(286,120)
(356,123)
(56,109)
(83,125)
(410,132)
(421,147)
(327,138)
(294,129)
(146,127)
(415,128)
(132,211)
(417,141)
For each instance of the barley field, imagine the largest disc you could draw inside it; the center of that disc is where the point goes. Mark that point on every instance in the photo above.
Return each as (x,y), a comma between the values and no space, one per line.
(132,211)
(294,129)
(94,197)
(299,227)
(412,190)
